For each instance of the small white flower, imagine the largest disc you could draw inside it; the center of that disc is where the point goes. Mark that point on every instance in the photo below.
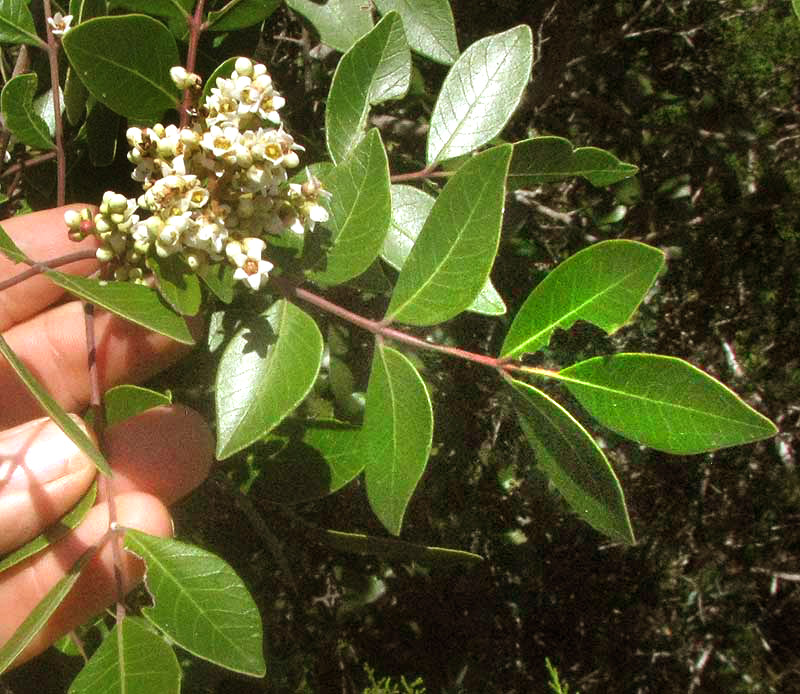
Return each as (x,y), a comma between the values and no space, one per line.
(59,23)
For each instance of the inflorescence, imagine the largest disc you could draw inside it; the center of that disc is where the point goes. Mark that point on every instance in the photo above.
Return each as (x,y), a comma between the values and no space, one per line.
(214,190)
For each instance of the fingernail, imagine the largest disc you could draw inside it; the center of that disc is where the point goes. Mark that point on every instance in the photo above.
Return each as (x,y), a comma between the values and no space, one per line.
(37,452)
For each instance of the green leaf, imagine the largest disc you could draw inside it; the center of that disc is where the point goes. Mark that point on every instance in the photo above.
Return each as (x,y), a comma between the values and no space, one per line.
(200,603)
(16,24)
(177,284)
(239,14)
(360,211)
(169,9)
(664,403)
(21,119)
(396,437)
(126,401)
(796,7)
(602,284)
(218,277)
(134,302)
(450,261)
(54,533)
(572,461)
(75,93)
(317,461)
(10,249)
(410,209)
(37,619)
(124,62)
(377,68)
(340,23)
(396,550)
(547,159)
(480,93)
(131,660)
(429,25)
(53,409)
(43,108)
(266,370)
(102,131)
(224,70)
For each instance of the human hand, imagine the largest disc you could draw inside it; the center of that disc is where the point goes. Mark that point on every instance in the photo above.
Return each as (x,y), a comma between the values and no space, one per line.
(157,457)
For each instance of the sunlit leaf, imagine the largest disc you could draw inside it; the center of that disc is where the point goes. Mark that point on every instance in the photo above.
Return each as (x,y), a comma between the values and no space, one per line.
(340,23)
(480,93)
(16,23)
(664,403)
(377,68)
(429,26)
(602,284)
(177,284)
(10,249)
(396,436)
(131,660)
(547,159)
(360,211)
(240,14)
(43,108)
(54,533)
(319,459)
(124,62)
(266,370)
(134,302)
(126,401)
(38,617)
(21,119)
(396,550)
(410,209)
(200,603)
(52,408)
(572,461)
(451,259)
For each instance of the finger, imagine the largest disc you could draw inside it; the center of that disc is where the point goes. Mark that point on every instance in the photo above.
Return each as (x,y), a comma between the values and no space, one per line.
(166,451)
(53,347)
(41,236)
(24,586)
(43,474)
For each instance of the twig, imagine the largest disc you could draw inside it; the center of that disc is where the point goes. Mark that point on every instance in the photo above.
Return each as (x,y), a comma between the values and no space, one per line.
(38,267)
(61,162)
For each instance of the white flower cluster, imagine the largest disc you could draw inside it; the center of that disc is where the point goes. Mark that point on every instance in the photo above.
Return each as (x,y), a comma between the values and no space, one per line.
(214,190)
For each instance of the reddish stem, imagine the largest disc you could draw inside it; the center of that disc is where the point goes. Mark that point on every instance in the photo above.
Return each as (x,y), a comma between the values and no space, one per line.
(61,162)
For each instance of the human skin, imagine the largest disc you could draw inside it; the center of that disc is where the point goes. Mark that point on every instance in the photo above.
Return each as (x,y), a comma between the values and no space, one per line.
(157,457)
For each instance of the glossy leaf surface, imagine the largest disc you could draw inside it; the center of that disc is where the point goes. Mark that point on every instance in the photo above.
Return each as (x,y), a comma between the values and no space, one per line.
(377,68)
(102,130)
(267,369)
(200,603)
(134,302)
(321,459)
(429,26)
(480,93)
(240,14)
(177,284)
(602,284)
(131,660)
(53,409)
(548,159)
(41,613)
(169,9)
(396,436)
(664,403)
(54,533)
(410,208)
(360,211)
(20,116)
(396,550)
(340,23)
(451,259)
(126,401)
(124,62)
(16,23)
(572,461)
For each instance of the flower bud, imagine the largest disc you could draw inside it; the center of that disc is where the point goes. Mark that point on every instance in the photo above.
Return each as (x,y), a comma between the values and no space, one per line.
(244,66)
